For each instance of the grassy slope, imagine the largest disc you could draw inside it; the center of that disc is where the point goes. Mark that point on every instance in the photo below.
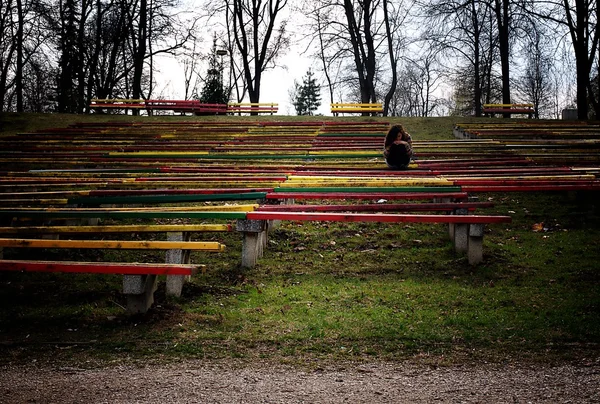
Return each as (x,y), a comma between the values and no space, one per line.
(340,291)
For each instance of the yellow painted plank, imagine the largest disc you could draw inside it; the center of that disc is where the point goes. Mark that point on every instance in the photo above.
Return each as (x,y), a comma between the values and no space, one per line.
(199,208)
(114,244)
(115,229)
(158,153)
(293,180)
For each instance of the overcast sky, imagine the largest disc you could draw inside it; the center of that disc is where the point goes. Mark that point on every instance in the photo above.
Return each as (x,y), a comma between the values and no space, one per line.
(276,83)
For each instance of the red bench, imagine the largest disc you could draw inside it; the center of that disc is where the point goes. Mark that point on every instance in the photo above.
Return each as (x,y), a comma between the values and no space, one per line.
(467,229)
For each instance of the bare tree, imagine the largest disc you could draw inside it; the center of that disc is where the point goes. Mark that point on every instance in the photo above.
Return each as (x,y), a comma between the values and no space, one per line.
(536,84)
(580,19)
(460,28)
(257,38)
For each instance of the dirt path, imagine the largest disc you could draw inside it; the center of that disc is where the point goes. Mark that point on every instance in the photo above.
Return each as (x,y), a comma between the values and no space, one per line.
(237,382)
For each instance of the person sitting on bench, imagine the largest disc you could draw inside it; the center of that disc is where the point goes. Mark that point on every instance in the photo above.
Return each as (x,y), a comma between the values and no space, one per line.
(398,150)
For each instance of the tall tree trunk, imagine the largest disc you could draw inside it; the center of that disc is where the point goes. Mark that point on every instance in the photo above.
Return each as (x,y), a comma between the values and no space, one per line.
(95,55)
(393,61)
(476,59)
(322,55)
(503,21)
(138,59)
(19,64)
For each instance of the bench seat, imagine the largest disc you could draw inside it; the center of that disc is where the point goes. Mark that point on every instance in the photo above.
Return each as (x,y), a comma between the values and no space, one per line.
(119,268)
(492,109)
(252,108)
(354,108)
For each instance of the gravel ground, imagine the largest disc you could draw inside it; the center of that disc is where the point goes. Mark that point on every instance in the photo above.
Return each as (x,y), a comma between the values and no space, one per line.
(237,382)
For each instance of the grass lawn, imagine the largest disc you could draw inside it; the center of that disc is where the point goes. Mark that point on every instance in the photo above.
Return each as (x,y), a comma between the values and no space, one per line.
(329,291)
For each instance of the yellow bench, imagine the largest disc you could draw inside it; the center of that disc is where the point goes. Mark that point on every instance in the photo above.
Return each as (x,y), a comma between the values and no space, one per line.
(356,108)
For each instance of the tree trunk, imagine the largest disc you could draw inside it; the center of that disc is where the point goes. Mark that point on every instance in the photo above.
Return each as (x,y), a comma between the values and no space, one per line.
(393,61)
(138,59)
(19,64)
(503,21)
(476,59)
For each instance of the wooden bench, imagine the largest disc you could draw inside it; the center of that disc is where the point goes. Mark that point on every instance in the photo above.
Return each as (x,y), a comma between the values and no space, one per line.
(186,106)
(467,234)
(508,109)
(253,108)
(116,103)
(138,286)
(356,108)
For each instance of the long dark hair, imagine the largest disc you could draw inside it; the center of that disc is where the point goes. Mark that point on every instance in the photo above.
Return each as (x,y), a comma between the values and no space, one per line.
(393,133)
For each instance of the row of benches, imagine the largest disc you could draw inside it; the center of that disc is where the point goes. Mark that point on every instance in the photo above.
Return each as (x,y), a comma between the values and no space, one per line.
(140,278)
(199,108)
(185,106)
(68,179)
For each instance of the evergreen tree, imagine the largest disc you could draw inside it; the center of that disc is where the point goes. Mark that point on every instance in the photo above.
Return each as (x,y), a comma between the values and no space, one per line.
(306,97)
(213,91)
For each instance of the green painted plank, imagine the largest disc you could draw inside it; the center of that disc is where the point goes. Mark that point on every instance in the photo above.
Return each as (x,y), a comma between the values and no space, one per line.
(71,214)
(143,199)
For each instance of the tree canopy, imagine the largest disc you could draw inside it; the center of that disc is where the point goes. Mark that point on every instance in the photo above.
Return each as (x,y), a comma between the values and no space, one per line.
(419,58)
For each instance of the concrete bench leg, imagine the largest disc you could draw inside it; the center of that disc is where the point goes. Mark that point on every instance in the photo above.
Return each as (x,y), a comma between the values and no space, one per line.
(254,232)
(461,237)
(452,226)
(175,282)
(475,253)
(140,292)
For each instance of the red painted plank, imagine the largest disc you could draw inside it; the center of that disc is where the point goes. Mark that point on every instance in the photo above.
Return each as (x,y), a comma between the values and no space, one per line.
(528,182)
(530,188)
(365,217)
(384,207)
(200,191)
(97,267)
(366,195)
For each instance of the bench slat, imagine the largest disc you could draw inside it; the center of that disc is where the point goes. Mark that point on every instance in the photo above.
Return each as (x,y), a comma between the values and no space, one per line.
(116,229)
(365,217)
(99,267)
(384,207)
(113,244)
(366,195)
(116,214)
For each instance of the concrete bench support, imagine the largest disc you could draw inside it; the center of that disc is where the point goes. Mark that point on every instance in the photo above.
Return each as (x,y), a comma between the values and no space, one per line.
(452,226)
(254,240)
(175,282)
(140,292)
(461,237)
(475,251)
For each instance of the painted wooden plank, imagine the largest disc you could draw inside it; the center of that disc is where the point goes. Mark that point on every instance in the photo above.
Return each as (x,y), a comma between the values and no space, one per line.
(143,199)
(529,188)
(116,214)
(113,244)
(99,267)
(365,189)
(365,217)
(116,229)
(180,209)
(366,195)
(382,207)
